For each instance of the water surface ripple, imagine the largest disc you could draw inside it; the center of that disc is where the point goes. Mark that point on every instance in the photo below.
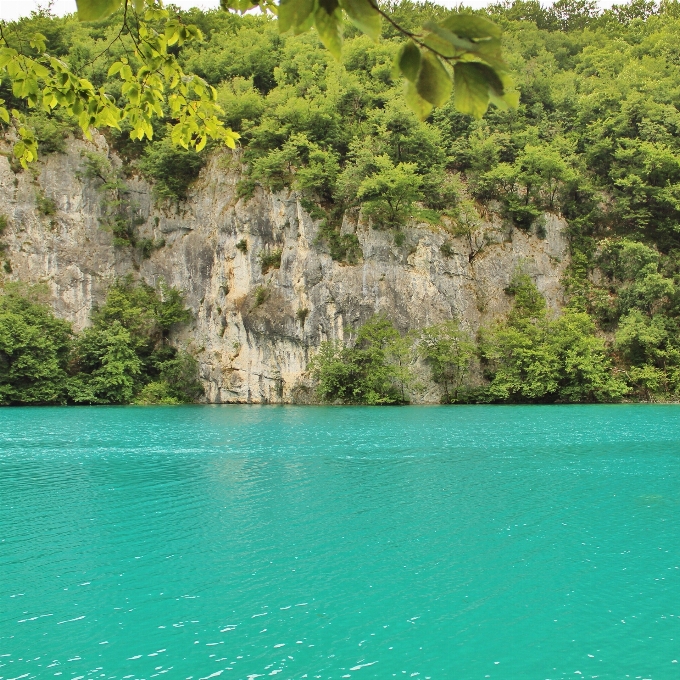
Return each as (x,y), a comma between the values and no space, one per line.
(247,542)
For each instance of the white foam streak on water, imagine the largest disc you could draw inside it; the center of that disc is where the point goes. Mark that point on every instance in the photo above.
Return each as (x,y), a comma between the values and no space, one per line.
(363,665)
(78,618)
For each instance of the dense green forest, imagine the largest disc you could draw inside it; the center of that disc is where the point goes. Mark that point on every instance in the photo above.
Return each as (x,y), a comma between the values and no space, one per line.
(595,139)
(123,357)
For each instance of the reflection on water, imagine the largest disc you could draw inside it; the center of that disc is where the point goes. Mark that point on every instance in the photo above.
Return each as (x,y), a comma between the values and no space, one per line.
(246,542)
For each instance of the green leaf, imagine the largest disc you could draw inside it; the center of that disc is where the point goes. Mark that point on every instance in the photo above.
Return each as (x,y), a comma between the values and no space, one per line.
(39,70)
(155,14)
(448,37)
(509,100)
(490,52)
(171,33)
(6,55)
(93,10)
(440,46)
(434,82)
(471,88)
(364,15)
(237,5)
(493,79)
(305,25)
(415,102)
(115,67)
(512,98)
(230,138)
(328,22)
(294,13)
(471,26)
(38,42)
(408,61)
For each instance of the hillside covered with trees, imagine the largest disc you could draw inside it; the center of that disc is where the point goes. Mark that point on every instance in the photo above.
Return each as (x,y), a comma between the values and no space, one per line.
(595,138)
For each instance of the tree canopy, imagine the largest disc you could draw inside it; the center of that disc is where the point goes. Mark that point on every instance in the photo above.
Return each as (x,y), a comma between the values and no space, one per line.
(462,52)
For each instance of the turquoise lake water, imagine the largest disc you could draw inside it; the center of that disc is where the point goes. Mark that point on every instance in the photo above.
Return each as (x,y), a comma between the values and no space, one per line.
(418,542)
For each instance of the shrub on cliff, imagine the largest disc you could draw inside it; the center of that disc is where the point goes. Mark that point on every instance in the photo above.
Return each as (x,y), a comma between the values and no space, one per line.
(373,371)
(526,357)
(109,369)
(530,357)
(171,169)
(34,349)
(449,352)
(126,349)
(177,382)
(123,357)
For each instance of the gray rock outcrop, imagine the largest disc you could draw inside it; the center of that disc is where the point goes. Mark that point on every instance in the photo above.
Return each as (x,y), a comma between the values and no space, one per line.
(254,333)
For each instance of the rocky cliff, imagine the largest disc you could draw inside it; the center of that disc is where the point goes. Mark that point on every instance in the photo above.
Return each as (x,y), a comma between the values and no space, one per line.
(255,332)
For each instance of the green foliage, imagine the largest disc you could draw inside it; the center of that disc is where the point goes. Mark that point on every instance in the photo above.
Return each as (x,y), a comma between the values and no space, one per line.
(531,357)
(471,45)
(177,383)
(109,368)
(119,214)
(389,193)
(638,300)
(446,249)
(126,348)
(148,245)
(51,130)
(242,245)
(156,393)
(34,350)
(123,357)
(260,296)
(299,114)
(374,371)
(270,259)
(46,205)
(148,313)
(594,139)
(625,260)
(449,351)
(171,169)
(342,247)
(149,82)
(468,226)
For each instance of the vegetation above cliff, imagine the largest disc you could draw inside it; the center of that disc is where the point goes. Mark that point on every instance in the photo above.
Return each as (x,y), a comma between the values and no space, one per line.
(460,53)
(595,135)
(122,357)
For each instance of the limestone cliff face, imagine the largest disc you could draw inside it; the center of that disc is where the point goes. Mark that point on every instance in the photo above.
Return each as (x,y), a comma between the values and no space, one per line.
(250,352)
